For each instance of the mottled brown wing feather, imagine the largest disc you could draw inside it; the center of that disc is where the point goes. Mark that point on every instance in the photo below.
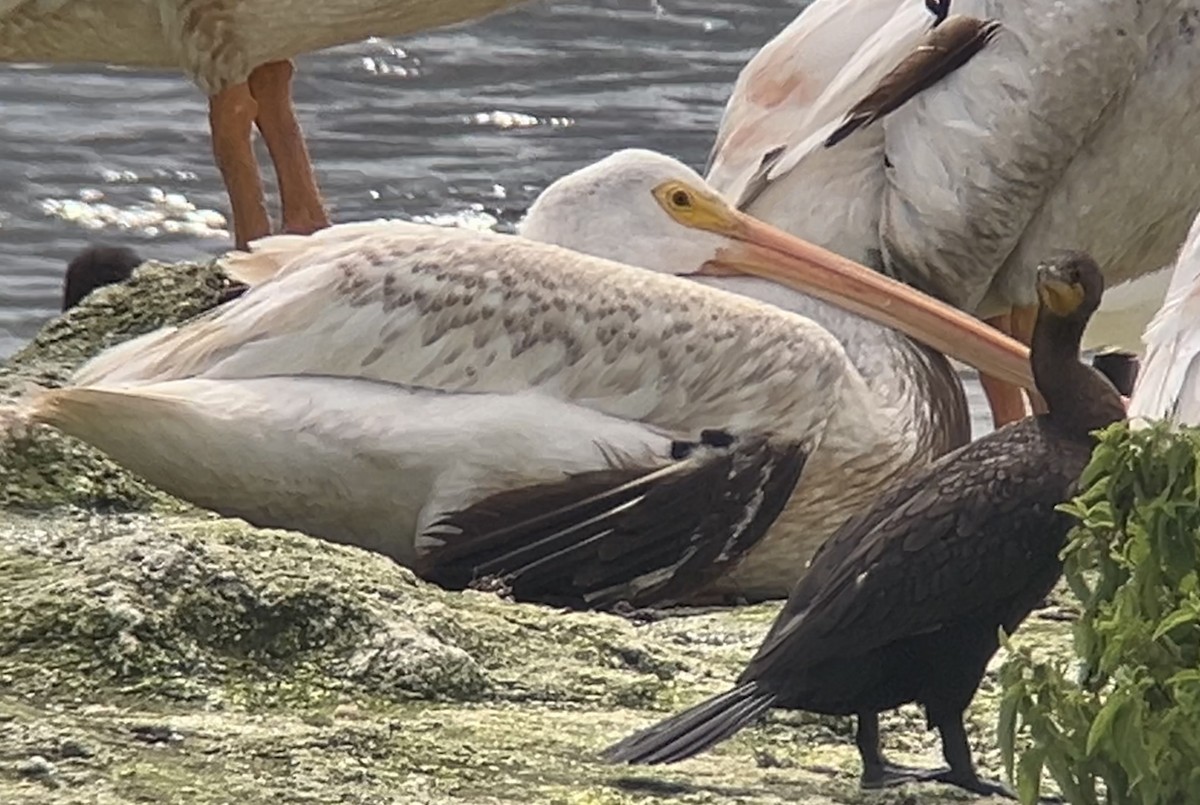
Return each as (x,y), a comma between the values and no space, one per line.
(647,538)
(942,51)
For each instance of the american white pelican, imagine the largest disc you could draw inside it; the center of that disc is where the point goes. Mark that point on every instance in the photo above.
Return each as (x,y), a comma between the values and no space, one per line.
(424,392)
(239,53)
(1168,385)
(1074,128)
(906,409)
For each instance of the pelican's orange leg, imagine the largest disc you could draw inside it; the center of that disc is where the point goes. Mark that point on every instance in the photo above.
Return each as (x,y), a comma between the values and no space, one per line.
(1006,401)
(299,199)
(231,117)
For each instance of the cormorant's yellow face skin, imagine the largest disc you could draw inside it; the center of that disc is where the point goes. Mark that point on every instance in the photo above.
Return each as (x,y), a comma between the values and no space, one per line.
(695,208)
(1062,298)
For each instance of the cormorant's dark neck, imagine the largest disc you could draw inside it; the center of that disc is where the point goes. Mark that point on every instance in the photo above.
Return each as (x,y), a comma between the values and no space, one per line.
(1079,398)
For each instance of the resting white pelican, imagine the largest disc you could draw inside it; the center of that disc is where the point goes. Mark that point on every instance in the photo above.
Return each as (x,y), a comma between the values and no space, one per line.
(1074,128)
(239,53)
(906,409)
(424,392)
(1168,385)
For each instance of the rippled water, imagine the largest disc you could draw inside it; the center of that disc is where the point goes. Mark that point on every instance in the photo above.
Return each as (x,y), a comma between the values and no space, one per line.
(466,124)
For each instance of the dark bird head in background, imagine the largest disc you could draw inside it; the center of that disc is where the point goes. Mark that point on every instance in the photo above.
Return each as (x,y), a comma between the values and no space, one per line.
(940,9)
(1070,287)
(1121,369)
(95,267)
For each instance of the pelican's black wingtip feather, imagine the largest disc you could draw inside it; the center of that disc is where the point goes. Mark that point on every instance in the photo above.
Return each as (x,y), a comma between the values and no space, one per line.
(645,537)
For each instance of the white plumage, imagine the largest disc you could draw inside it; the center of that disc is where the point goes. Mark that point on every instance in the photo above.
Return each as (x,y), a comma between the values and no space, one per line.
(379,385)
(1073,129)
(1168,385)
(476,375)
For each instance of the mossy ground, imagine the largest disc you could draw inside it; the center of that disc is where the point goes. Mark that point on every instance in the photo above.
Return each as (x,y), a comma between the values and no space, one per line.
(185,658)
(150,652)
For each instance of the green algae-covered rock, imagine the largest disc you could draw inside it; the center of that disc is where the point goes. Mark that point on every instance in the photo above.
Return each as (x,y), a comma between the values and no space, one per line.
(151,652)
(40,469)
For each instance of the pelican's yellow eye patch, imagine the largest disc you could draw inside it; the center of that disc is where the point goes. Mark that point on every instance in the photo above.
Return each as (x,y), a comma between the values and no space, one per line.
(694,207)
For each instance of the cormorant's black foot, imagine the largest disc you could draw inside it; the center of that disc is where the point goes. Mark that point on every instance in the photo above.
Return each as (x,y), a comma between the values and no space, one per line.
(976,785)
(893,774)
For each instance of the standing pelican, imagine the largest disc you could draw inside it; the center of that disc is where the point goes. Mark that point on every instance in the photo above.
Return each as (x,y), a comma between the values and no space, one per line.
(1073,128)
(420,391)
(239,53)
(1168,385)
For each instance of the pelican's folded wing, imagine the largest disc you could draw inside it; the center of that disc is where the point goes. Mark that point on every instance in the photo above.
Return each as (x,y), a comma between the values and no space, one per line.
(796,91)
(942,51)
(625,534)
(785,92)
(459,311)
(974,158)
(570,503)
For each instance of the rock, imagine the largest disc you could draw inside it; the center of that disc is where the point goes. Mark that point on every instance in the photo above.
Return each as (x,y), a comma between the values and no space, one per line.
(207,661)
(42,468)
(71,748)
(36,767)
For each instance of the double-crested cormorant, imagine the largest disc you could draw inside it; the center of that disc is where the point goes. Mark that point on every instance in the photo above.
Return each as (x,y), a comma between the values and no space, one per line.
(95,267)
(904,602)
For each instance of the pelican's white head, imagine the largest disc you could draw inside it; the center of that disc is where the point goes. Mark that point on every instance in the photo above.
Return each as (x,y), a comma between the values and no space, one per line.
(617,209)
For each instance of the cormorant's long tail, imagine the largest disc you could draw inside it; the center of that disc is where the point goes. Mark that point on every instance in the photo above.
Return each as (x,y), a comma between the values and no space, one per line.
(694,730)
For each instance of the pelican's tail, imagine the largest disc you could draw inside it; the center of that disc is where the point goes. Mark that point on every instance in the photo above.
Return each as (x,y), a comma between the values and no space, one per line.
(695,729)
(61,407)
(16,417)
(86,412)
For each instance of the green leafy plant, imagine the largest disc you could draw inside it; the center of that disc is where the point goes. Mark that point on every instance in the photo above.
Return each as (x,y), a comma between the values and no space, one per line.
(1122,727)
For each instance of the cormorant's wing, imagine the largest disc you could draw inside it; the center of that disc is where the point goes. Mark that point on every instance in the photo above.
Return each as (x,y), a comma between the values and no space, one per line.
(953,538)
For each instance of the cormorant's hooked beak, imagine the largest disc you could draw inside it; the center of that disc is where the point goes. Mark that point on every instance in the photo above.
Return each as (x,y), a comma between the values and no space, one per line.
(761,250)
